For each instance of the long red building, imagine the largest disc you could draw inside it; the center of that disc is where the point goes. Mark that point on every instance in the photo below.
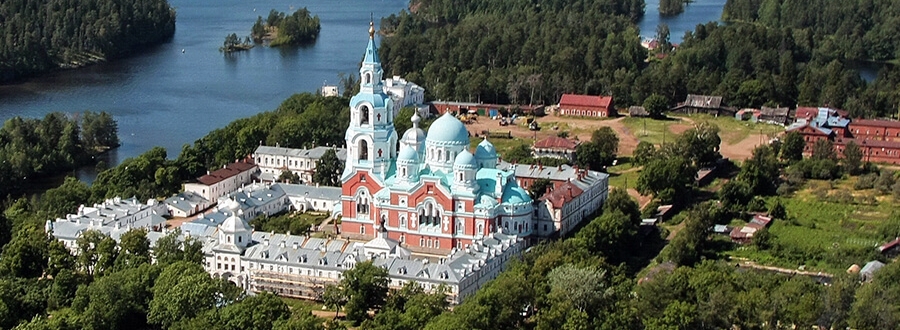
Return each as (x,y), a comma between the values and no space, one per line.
(586,106)
(878,139)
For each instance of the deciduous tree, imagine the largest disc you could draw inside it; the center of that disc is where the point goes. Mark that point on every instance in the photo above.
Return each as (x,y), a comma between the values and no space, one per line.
(852,160)
(328,169)
(366,287)
(656,105)
(792,148)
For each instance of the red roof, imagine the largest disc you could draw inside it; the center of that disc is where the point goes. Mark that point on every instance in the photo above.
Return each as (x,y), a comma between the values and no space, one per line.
(555,142)
(221,174)
(585,100)
(876,123)
(871,143)
(804,112)
(889,245)
(563,194)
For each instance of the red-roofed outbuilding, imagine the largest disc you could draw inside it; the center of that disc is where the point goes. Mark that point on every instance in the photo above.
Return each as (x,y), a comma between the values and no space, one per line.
(586,106)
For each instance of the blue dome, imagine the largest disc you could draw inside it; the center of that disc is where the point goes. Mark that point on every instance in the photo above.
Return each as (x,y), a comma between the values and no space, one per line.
(513,194)
(407,153)
(485,150)
(465,160)
(448,130)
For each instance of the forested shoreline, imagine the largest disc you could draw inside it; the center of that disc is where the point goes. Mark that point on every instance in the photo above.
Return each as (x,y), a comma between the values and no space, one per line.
(42,36)
(533,53)
(34,148)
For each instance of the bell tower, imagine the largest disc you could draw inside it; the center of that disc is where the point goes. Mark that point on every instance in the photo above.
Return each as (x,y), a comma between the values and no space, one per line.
(371,137)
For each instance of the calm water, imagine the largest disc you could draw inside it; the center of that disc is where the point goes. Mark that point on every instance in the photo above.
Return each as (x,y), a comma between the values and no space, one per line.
(166,97)
(697,12)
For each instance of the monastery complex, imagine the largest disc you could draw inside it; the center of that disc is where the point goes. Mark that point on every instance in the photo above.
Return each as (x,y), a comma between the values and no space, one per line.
(432,211)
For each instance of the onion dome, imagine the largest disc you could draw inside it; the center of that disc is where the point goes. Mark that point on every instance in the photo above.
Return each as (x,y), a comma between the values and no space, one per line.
(447,130)
(465,160)
(485,150)
(407,155)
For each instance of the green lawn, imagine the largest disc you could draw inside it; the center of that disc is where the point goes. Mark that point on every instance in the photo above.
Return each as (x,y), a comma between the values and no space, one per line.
(502,145)
(652,130)
(731,130)
(623,175)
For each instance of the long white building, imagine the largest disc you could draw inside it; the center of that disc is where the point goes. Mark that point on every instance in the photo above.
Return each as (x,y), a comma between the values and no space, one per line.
(300,266)
(273,161)
(404,93)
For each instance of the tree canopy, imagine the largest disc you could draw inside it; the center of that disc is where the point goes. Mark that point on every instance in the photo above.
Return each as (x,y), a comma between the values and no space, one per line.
(39,36)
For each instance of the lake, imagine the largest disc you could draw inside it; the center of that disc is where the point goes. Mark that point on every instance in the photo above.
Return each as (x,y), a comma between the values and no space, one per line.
(166,97)
(175,93)
(697,12)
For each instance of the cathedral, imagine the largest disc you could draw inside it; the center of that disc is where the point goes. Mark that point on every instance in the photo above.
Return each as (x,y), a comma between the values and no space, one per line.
(426,190)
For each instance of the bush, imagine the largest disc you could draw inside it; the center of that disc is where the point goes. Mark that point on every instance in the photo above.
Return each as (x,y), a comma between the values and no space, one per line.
(785,189)
(650,209)
(865,181)
(757,204)
(885,182)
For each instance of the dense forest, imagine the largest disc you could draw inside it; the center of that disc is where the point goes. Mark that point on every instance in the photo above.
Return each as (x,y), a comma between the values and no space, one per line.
(527,52)
(33,148)
(38,36)
(294,29)
(534,52)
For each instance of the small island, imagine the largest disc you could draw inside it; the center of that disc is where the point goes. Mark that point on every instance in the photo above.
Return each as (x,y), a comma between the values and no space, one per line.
(671,7)
(233,44)
(281,29)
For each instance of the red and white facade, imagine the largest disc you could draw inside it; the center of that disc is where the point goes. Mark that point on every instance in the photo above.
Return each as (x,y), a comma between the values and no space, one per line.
(586,106)
(433,194)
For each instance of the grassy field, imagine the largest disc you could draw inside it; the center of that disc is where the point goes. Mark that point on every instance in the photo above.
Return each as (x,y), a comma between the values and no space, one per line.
(652,130)
(731,130)
(824,235)
(623,175)
(502,145)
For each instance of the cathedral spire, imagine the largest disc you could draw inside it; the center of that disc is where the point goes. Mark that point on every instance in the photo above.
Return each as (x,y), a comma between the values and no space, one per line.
(372,28)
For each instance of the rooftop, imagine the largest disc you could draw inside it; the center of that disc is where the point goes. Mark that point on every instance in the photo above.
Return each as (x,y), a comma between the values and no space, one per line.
(555,142)
(314,153)
(585,100)
(224,173)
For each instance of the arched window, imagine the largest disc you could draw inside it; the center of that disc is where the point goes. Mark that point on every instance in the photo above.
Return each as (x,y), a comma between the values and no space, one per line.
(362,204)
(403,172)
(429,214)
(368,77)
(440,155)
(364,115)
(363,150)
